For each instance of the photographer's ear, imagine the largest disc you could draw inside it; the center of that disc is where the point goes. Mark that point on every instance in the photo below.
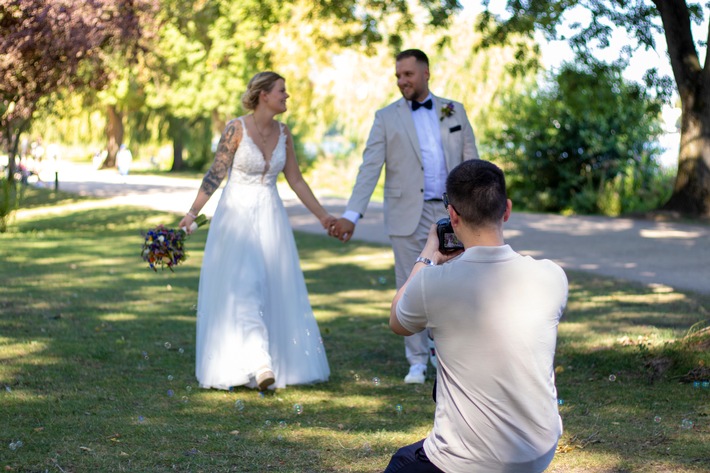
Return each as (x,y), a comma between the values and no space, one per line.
(508,210)
(453,216)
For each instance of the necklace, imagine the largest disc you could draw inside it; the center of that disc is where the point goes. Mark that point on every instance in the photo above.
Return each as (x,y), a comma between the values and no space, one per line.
(263,138)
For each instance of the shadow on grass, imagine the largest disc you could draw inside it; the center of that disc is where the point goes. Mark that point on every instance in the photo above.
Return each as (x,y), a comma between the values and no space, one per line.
(98,361)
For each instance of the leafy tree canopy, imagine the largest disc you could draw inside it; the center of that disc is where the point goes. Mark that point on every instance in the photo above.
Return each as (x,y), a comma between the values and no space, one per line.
(49,45)
(58,45)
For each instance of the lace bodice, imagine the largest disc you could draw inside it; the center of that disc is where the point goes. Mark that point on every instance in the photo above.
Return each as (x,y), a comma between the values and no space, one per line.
(249,165)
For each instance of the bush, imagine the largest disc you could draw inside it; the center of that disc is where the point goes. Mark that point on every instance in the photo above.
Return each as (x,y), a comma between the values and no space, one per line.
(585,143)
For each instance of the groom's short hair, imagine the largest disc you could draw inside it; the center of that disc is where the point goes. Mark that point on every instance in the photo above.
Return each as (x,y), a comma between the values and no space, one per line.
(415,53)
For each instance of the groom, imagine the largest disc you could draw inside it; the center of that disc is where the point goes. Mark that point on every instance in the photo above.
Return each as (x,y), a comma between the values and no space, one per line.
(418,139)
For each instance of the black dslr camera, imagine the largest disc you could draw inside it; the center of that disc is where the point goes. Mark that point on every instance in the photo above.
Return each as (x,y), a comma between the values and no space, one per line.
(447,238)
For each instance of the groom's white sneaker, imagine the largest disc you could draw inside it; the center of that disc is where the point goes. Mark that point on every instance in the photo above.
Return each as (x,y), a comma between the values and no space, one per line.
(416,375)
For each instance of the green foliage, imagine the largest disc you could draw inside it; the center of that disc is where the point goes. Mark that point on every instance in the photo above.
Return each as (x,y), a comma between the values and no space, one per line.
(584,143)
(202,53)
(593,26)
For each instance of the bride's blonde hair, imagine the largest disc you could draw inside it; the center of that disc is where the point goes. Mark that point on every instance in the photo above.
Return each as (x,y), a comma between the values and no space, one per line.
(261,82)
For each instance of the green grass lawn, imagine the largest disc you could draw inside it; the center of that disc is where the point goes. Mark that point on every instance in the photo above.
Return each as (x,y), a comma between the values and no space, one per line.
(97,365)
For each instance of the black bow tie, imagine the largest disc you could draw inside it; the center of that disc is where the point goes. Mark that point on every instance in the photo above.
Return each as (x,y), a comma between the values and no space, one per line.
(428,104)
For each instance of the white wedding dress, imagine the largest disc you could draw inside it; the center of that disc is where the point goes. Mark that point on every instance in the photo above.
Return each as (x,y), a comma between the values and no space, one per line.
(253,309)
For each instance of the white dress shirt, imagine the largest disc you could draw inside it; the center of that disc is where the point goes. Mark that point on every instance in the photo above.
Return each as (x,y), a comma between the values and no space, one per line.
(426,124)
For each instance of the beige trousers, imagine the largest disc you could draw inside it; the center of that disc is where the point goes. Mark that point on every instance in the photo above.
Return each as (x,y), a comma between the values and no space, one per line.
(406,250)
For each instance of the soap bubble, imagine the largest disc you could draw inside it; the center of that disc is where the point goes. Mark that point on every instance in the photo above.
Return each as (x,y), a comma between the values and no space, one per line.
(657,419)
(376,381)
(239,405)
(167,345)
(15,445)
(170,377)
(298,409)
(612,377)
(686,424)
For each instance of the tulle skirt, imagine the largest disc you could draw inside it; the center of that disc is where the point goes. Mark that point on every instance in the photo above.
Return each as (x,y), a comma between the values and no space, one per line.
(253,309)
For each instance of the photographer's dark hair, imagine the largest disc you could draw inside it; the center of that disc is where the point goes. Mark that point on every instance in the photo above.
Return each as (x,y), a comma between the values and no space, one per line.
(476,190)
(415,53)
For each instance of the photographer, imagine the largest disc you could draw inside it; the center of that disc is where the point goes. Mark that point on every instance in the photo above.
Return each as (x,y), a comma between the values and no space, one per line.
(493,314)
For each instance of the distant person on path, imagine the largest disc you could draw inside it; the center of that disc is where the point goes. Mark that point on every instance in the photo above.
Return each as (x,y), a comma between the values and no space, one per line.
(255,325)
(418,139)
(494,316)
(124,159)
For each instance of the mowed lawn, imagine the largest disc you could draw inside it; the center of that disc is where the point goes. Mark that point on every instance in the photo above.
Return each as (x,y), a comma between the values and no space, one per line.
(97,364)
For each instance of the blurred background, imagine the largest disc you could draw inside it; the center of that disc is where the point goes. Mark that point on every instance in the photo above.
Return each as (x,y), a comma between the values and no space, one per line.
(579,106)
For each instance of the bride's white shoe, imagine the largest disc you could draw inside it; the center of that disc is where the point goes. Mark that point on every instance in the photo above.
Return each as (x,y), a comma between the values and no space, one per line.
(264,378)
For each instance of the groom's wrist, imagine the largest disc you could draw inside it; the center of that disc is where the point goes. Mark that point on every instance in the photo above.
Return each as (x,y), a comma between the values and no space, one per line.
(352,216)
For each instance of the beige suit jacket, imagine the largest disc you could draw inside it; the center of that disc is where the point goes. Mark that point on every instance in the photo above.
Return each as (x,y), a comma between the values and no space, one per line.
(393,143)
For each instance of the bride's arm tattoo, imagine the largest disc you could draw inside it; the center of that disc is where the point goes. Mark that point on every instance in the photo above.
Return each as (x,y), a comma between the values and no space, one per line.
(228,143)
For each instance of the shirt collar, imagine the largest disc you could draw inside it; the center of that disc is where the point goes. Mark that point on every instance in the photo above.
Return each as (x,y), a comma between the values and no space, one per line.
(489,254)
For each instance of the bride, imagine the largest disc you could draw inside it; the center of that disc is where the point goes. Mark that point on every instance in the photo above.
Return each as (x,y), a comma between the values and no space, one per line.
(255,325)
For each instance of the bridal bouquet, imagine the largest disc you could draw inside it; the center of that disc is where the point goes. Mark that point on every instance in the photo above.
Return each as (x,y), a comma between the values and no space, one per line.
(166,246)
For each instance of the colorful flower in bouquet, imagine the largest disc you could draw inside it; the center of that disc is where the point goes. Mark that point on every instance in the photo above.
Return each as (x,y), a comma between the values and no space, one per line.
(166,246)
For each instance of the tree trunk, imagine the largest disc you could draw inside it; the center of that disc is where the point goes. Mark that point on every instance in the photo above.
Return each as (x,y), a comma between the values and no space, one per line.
(11,167)
(218,122)
(114,135)
(13,144)
(178,147)
(177,133)
(691,194)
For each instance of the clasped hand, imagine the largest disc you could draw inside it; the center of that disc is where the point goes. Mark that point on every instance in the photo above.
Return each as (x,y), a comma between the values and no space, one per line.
(342,229)
(328,221)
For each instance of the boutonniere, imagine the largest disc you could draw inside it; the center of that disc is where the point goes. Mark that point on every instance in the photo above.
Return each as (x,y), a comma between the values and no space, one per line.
(447,110)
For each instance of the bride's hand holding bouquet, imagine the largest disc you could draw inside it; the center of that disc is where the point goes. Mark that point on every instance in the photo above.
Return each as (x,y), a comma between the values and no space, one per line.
(190,222)
(166,246)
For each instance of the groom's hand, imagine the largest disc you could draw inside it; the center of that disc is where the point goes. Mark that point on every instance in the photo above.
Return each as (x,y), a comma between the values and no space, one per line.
(342,230)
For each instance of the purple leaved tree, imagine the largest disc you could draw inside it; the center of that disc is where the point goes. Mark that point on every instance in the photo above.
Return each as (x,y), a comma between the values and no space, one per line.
(53,46)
